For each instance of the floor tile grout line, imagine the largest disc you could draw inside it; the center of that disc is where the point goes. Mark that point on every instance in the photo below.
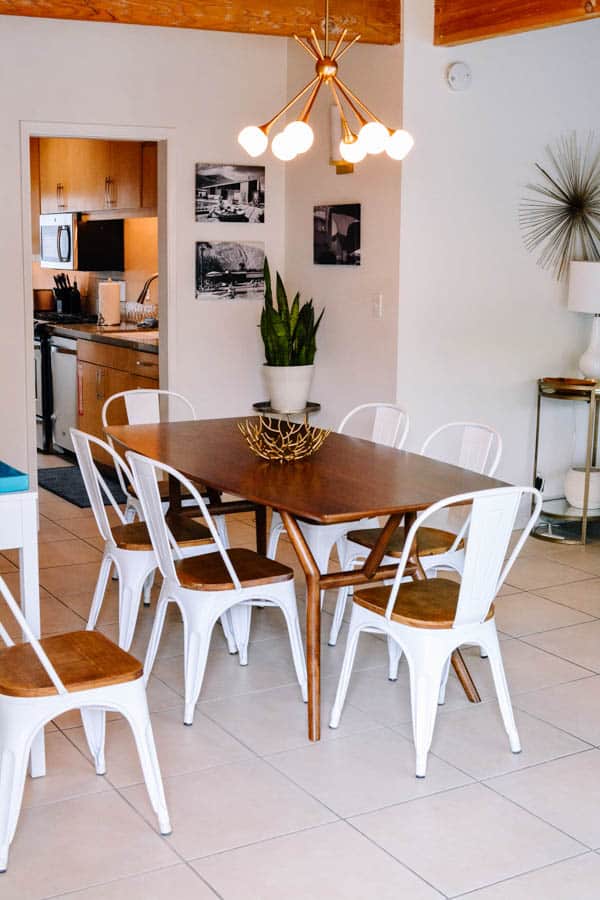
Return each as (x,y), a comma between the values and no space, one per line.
(486,784)
(502,881)
(558,656)
(123,880)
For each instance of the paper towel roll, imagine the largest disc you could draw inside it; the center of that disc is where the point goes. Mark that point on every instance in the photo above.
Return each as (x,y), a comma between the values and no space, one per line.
(109,302)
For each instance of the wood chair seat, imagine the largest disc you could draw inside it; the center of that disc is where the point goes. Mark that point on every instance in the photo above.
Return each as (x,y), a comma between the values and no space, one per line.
(430,541)
(422,604)
(208,572)
(82,659)
(187,532)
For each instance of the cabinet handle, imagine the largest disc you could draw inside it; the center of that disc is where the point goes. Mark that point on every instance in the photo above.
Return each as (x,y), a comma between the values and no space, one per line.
(100,384)
(80,390)
(60,195)
(109,191)
(145,365)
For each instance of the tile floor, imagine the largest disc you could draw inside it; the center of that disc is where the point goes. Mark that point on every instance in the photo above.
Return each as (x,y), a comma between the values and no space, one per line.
(260,814)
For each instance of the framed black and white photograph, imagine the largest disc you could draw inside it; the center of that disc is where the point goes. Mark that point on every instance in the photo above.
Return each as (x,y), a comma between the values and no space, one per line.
(336,235)
(227,193)
(227,270)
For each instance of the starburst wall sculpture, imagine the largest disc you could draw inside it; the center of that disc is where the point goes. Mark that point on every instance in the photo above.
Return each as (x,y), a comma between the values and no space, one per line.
(561,214)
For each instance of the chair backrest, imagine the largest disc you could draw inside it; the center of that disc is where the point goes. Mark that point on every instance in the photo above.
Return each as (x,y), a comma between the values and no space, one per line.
(142,407)
(146,475)
(491,522)
(390,425)
(29,635)
(472,446)
(95,484)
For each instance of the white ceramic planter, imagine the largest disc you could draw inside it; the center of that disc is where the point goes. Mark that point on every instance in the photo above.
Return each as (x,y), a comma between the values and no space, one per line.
(288,387)
(575,484)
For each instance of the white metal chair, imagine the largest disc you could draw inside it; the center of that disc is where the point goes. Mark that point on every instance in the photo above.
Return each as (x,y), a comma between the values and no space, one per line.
(390,427)
(469,445)
(206,587)
(40,680)
(128,546)
(429,619)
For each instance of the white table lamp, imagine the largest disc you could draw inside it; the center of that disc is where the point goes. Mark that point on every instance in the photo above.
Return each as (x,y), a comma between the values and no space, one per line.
(584,297)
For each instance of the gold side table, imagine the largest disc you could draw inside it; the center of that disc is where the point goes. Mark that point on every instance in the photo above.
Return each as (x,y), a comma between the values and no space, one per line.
(557,513)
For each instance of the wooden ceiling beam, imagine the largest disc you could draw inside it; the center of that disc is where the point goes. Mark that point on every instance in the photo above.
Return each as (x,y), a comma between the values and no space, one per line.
(460,21)
(378,21)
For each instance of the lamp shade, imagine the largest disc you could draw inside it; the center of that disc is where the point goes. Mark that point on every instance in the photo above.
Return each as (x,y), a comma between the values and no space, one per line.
(584,287)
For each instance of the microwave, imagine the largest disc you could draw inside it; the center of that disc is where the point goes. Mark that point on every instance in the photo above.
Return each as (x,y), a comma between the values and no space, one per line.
(69,243)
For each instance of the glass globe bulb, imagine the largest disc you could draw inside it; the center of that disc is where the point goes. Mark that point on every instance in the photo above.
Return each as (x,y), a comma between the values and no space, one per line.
(374,137)
(253,140)
(299,135)
(399,144)
(352,152)
(282,148)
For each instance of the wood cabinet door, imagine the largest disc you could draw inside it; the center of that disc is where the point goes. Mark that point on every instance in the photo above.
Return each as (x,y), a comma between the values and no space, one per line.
(149,175)
(125,174)
(72,174)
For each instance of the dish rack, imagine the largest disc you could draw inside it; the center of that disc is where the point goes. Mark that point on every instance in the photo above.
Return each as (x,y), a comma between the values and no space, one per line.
(137,312)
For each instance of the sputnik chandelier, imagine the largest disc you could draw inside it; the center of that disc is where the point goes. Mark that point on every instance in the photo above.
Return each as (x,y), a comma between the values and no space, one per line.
(297,136)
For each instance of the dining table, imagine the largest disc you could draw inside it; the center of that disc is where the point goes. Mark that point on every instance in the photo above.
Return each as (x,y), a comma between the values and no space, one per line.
(347,480)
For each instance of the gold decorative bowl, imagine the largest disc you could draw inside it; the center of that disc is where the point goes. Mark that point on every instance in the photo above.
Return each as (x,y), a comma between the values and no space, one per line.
(281,440)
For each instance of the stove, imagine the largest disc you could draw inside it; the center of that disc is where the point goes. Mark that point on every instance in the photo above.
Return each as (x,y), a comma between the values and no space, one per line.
(54,318)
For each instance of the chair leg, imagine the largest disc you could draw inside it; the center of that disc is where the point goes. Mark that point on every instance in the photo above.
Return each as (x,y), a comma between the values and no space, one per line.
(492,646)
(227,627)
(221,526)
(99,592)
(445,673)
(139,719)
(289,609)
(155,635)
(276,531)
(349,655)
(196,655)
(241,619)
(132,579)
(338,615)
(426,676)
(148,585)
(394,656)
(13,768)
(94,725)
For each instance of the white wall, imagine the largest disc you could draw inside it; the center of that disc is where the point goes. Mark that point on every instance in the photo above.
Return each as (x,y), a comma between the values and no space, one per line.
(200,85)
(356,358)
(479,321)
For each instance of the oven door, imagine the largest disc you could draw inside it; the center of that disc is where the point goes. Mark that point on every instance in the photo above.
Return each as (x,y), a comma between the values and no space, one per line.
(58,241)
(39,412)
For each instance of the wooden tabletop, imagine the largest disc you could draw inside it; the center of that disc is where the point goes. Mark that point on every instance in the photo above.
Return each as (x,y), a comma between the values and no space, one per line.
(346,480)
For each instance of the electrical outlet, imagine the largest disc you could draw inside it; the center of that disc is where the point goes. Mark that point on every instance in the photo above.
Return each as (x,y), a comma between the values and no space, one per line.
(378,306)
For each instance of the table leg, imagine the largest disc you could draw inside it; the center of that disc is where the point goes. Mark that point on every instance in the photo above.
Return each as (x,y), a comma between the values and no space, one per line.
(174,495)
(30,604)
(260,516)
(313,623)
(458,663)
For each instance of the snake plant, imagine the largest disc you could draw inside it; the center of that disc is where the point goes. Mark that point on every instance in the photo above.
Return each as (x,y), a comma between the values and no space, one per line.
(288,332)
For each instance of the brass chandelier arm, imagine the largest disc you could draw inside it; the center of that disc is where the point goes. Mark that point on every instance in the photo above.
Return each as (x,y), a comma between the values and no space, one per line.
(347,47)
(339,43)
(288,105)
(354,102)
(311,101)
(348,98)
(315,43)
(306,48)
(347,134)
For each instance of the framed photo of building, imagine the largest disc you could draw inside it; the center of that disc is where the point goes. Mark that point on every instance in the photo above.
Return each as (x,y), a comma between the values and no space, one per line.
(229,193)
(230,271)
(336,235)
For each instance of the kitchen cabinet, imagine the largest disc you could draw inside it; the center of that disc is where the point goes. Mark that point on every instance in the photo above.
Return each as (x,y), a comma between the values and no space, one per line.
(149,175)
(84,175)
(104,370)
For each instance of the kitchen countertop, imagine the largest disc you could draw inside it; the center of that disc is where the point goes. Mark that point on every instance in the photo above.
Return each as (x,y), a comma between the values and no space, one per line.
(126,335)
